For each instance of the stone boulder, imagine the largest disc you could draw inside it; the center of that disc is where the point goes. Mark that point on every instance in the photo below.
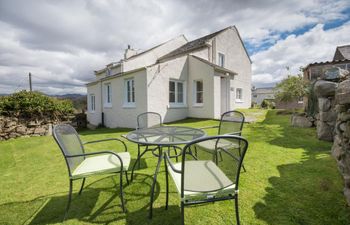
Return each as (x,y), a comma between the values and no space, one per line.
(324,131)
(324,104)
(325,88)
(329,116)
(343,93)
(300,121)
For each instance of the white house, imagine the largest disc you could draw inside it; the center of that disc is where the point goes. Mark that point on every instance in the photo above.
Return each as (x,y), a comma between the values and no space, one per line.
(178,79)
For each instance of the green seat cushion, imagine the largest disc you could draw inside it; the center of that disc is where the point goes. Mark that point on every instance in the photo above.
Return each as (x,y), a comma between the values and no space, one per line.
(203,179)
(210,144)
(106,163)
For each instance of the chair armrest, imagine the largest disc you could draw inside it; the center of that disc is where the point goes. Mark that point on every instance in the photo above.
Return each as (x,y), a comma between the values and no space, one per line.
(166,157)
(209,127)
(97,153)
(108,139)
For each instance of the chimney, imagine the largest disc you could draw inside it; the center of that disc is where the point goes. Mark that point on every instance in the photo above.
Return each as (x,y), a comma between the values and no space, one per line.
(129,52)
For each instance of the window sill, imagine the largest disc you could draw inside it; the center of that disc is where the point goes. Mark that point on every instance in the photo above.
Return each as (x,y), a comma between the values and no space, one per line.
(92,112)
(239,101)
(129,106)
(177,106)
(107,105)
(198,105)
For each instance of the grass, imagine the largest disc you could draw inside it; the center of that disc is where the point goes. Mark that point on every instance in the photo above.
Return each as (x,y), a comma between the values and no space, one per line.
(291,179)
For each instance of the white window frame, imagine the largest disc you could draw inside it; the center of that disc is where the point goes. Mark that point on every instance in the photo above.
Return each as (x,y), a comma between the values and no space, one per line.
(129,94)
(195,93)
(92,103)
(239,98)
(108,95)
(221,59)
(184,94)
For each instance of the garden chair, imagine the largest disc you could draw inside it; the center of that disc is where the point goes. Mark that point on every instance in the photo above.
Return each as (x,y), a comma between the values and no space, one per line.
(231,123)
(198,179)
(81,164)
(146,120)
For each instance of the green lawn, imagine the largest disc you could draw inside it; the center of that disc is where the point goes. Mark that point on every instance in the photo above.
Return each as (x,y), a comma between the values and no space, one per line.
(291,179)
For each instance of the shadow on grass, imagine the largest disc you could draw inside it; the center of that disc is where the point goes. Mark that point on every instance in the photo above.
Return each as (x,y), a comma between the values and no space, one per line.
(307,192)
(97,204)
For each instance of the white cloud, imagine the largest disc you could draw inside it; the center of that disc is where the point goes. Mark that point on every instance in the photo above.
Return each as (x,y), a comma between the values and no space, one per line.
(294,52)
(63,42)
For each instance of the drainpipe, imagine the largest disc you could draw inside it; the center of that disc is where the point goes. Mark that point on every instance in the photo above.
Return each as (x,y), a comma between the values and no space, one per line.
(101,101)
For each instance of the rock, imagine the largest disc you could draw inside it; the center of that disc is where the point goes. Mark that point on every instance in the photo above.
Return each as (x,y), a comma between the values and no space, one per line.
(300,121)
(337,148)
(21,130)
(329,116)
(344,116)
(324,104)
(39,130)
(14,135)
(10,123)
(343,93)
(33,124)
(340,108)
(91,126)
(10,129)
(324,131)
(325,88)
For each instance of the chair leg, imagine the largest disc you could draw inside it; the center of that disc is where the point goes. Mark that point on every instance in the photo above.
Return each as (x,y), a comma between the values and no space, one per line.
(167,185)
(138,156)
(69,198)
(154,185)
(126,176)
(236,209)
(121,191)
(177,160)
(220,156)
(82,186)
(182,213)
(137,160)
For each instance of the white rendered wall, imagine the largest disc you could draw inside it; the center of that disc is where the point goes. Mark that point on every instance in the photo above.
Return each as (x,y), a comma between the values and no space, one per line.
(236,59)
(201,71)
(158,77)
(94,117)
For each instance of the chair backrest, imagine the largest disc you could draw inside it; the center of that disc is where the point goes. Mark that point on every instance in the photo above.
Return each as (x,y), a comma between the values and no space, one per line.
(149,119)
(231,123)
(230,149)
(69,142)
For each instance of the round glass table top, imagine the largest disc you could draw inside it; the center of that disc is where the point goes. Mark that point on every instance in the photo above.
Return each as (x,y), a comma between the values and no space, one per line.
(165,135)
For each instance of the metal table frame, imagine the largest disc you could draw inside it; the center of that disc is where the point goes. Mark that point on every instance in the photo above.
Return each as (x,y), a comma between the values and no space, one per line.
(164,136)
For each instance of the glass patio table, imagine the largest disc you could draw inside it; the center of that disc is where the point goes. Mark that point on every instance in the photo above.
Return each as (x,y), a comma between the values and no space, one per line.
(162,136)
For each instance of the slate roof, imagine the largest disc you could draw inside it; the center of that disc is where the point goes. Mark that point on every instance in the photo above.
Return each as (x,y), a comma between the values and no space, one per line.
(192,45)
(342,52)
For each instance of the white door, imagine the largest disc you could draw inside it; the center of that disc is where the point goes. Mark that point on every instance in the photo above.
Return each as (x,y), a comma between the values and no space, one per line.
(224,86)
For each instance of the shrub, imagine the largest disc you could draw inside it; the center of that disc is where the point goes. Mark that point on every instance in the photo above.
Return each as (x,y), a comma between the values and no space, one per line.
(34,104)
(268,104)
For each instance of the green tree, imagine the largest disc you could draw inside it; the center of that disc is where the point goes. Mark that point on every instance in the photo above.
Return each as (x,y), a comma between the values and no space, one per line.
(291,88)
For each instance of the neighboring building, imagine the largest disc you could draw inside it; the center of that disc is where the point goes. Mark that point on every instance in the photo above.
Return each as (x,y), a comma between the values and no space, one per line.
(178,79)
(260,94)
(341,59)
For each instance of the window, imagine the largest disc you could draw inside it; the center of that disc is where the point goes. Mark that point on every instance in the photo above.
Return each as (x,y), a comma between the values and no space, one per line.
(176,92)
(198,92)
(108,95)
(129,94)
(92,103)
(239,94)
(221,60)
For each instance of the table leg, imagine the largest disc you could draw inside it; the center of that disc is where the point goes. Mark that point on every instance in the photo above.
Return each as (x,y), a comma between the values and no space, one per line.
(137,161)
(160,158)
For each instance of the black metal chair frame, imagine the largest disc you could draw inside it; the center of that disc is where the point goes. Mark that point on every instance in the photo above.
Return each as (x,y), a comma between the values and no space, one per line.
(84,154)
(239,133)
(187,151)
(147,147)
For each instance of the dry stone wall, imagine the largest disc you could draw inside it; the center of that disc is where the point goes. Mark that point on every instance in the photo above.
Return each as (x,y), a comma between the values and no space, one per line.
(12,127)
(341,144)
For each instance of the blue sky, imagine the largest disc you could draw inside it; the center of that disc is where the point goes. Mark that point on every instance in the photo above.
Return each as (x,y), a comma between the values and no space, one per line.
(62,42)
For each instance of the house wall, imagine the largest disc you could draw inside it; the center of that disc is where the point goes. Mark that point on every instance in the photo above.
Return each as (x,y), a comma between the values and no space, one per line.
(120,115)
(158,77)
(151,57)
(236,59)
(94,117)
(201,71)
(202,53)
